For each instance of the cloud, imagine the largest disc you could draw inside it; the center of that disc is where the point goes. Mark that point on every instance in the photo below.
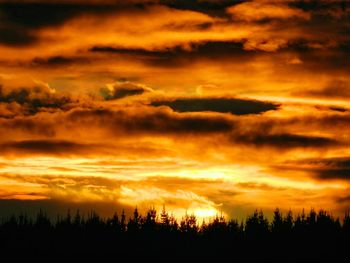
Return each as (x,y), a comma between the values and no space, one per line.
(84,2)
(48,147)
(26,96)
(104,122)
(180,56)
(106,125)
(22,92)
(149,121)
(324,7)
(21,24)
(187,200)
(335,89)
(284,141)
(249,128)
(331,168)
(57,61)
(80,190)
(121,90)
(332,174)
(259,25)
(16,36)
(26,126)
(253,11)
(333,108)
(324,169)
(331,122)
(344,199)
(21,20)
(223,105)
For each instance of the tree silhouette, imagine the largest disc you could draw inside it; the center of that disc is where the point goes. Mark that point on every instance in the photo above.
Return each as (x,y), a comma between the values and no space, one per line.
(309,237)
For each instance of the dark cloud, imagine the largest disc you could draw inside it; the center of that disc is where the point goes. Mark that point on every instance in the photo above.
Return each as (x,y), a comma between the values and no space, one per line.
(46,147)
(123,89)
(16,36)
(343,199)
(33,98)
(151,122)
(115,123)
(233,106)
(145,120)
(22,95)
(57,61)
(283,141)
(328,122)
(338,109)
(21,20)
(178,56)
(328,59)
(211,7)
(316,5)
(37,15)
(43,14)
(333,168)
(210,48)
(332,108)
(140,53)
(239,132)
(336,89)
(34,126)
(328,174)
(124,92)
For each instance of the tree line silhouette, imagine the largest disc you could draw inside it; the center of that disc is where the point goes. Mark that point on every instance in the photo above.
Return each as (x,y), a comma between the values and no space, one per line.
(306,237)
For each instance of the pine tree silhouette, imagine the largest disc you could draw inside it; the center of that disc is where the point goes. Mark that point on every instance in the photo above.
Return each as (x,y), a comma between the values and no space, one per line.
(310,237)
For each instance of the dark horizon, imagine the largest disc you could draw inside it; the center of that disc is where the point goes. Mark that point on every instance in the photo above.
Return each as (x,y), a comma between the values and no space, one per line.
(308,237)
(54,208)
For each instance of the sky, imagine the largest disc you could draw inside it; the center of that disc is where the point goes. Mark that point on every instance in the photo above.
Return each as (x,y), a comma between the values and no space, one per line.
(205,106)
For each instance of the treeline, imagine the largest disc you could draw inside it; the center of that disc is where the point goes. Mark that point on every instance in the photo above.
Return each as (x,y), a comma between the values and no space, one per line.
(306,237)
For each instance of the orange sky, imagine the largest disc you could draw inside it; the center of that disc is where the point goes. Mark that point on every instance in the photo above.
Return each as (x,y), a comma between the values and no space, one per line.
(204,106)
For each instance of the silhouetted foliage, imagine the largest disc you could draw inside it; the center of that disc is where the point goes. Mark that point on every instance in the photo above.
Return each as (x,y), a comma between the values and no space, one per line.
(307,237)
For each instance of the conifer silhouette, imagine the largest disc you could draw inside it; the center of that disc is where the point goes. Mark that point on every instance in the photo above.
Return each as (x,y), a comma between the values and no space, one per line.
(309,237)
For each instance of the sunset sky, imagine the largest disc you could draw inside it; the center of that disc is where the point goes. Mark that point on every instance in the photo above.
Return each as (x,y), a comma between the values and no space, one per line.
(204,106)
